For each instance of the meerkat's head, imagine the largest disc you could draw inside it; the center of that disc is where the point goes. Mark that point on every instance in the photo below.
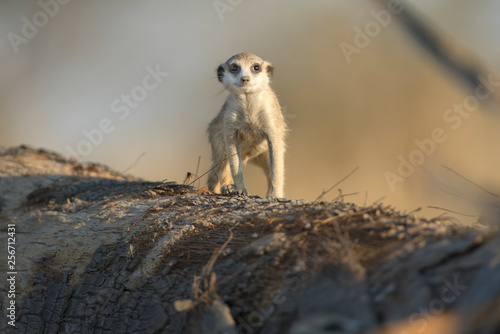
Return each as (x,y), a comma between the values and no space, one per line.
(245,73)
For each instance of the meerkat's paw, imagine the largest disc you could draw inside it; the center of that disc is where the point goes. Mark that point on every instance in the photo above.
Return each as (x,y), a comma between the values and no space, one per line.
(230,189)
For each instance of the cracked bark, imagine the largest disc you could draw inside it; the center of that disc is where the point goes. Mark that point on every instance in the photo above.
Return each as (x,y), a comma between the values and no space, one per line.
(100,252)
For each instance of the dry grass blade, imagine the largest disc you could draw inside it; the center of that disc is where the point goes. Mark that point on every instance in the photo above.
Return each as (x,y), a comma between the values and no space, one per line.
(208,171)
(336,184)
(210,264)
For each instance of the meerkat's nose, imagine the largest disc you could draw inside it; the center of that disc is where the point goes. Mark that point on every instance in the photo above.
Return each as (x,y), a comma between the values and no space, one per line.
(245,79)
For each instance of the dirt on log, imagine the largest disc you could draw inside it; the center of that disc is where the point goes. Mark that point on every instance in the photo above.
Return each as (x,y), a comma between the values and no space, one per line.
(100,252)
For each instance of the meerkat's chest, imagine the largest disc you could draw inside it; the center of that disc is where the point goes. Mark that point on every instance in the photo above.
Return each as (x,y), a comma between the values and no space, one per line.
(250,137)
(247,122)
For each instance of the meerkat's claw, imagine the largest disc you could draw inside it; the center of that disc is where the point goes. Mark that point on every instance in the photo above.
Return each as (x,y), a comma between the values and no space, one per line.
(230,189)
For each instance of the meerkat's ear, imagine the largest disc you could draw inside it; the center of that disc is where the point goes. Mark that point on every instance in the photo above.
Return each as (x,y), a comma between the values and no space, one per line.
(220,72)
(269,69)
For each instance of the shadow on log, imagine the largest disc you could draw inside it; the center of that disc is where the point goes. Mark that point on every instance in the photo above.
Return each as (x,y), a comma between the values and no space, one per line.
(101,252)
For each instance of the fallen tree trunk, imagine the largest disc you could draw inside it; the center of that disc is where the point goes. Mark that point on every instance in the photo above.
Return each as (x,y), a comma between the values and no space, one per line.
(100,252)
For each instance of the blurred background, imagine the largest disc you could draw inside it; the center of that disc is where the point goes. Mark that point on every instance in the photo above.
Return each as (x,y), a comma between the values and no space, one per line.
(88,79)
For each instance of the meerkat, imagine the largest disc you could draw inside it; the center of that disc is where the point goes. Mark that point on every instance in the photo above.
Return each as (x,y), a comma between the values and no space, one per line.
(250,127)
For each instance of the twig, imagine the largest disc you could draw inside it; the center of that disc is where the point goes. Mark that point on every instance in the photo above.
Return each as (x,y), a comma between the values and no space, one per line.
(198,169)
(415,210)
(447,210)
(341,196)
(134,163)
(471,182)
(208,267)
(189,175)
(205,284)
(208,171)
(336,184)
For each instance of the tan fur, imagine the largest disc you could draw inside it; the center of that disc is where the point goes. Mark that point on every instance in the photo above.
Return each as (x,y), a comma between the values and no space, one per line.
(249,128)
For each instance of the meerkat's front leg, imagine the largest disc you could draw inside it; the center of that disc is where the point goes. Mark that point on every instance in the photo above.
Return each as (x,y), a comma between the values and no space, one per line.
(277,162)
(235,164)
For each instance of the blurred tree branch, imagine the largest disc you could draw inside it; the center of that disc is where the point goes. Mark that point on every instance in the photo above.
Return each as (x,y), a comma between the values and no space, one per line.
(428,38)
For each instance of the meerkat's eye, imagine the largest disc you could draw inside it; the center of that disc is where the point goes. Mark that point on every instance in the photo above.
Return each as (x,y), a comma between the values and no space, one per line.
(234,68)
(256,68)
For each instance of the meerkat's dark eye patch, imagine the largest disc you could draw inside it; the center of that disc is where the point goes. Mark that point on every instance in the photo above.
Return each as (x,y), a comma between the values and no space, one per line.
(256,68)
(234,68)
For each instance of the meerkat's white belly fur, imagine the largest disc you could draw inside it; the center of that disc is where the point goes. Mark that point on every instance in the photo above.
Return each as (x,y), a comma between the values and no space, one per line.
(250,127)
(251,143)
